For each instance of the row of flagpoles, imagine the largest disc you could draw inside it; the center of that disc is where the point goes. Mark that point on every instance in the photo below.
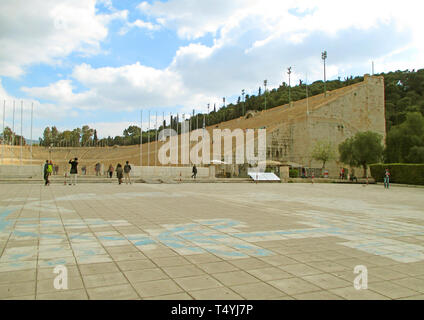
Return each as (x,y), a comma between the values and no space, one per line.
(13,129)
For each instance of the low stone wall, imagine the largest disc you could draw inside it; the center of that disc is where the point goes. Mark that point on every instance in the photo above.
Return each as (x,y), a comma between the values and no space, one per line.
(171,172)
(15,171)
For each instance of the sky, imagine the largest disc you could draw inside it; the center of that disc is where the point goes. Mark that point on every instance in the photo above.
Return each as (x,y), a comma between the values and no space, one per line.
(100,62)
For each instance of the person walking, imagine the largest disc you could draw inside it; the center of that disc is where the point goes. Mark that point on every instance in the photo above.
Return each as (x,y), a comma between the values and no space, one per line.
(97,169)
(46,173)
(387,179)
(194,171)
(110,171)
(119,173)
(74,170)
(127,170)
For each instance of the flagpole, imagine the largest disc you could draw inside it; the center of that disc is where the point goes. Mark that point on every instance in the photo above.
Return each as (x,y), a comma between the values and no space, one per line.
(156,129)
(22,112)
(32,112)
(141,137)
(4,112)
(148,142)
(13,124)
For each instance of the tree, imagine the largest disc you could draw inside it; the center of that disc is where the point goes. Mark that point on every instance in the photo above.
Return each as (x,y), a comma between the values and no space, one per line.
(87,133)
(47,137)
(95,140)
(405,136)
(323,151)
(361,150)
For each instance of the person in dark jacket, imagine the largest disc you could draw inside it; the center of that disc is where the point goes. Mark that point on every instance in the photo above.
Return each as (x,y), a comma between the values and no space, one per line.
(119,173)
(194,172)
(127,170)
(46,173)
(74,170)
(110,171)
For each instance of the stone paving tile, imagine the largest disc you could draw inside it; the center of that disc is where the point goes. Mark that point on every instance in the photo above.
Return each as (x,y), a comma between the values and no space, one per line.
(215,294)
(31,297)
(130,265)
(328,266)
(79,294)
(203,258)
(233,278)
(157,288)
(391,290)
(292,286)
(411,283)
(125,256)
(104,279)
(198,283)
(145,275)
(170,261)
(183,271)
(118,292)
(351,293)
(47,285)
(257,291)
(96,268)
(409,269)
(419,297)
(273,273)
(48,273)
(175,296)
(320,295)
(250,263)
(385,273)
(17,276)
(327,281)
(215,267)
(17,289)
(278,260)
(300,270)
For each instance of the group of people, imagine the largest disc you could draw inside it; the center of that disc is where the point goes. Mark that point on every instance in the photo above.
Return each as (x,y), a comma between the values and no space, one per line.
(121,172)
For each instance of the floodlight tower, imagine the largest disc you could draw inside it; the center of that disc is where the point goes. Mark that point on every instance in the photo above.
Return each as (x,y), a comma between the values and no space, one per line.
(223,101)
(324,57)
(289,73)
(242,93)
(265,83)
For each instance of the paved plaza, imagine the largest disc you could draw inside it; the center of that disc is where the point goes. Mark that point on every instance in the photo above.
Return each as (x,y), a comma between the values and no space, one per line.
(211,241)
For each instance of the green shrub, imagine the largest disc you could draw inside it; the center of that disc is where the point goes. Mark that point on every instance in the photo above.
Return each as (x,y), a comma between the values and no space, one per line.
(293,173)
(399,173)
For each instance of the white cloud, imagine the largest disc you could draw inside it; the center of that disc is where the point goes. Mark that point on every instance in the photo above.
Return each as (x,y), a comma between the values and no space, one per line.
(129,87)
(45,31)
(139,24)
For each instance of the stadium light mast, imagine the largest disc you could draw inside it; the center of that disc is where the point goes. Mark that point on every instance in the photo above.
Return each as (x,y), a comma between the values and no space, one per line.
(244,105)
(324,57)
(265,83)
(289,72)
(223,101)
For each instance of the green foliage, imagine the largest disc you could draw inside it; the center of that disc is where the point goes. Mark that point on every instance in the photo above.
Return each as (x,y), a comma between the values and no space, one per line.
(362,149)
(406,140)
(399,173)
(323,151)
(293,173)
